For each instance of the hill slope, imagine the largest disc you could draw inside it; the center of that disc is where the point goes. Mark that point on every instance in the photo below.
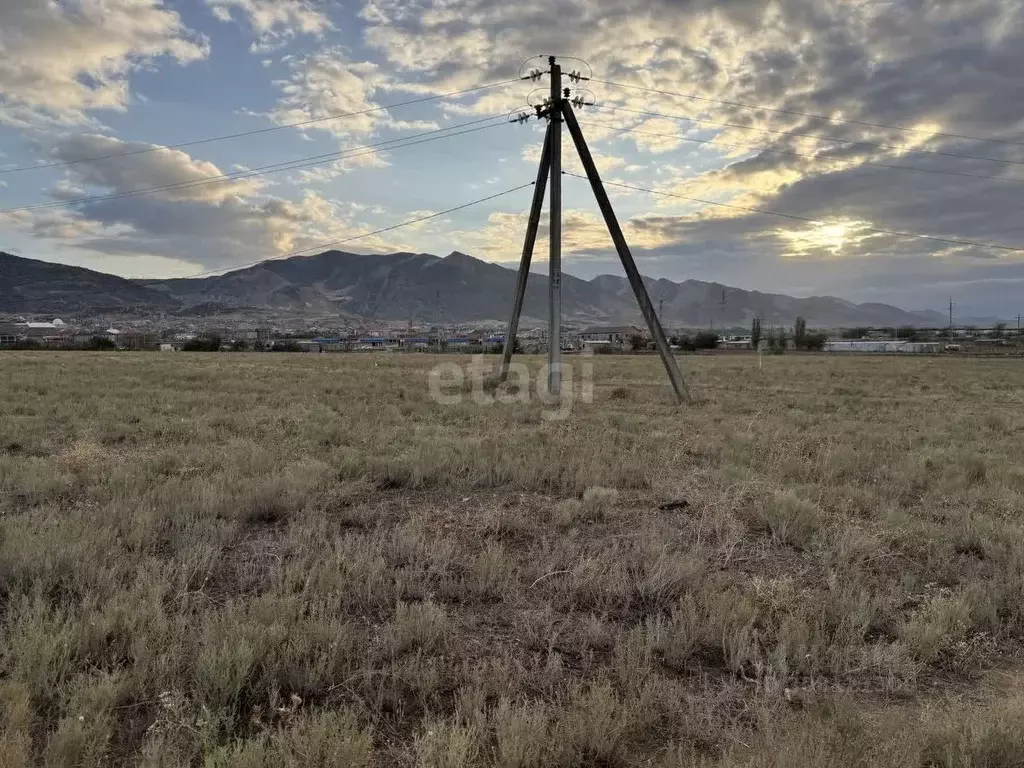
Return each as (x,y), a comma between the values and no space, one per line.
(28,285)
(417,286)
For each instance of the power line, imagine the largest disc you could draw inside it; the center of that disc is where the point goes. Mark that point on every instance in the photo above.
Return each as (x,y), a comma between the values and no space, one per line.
(256,131)
(818,137)
(370,149)
(876,230)
(333,243)
(810,114)
(801,154)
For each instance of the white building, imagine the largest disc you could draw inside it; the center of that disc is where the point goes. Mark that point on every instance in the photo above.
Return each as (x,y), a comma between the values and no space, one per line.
(880,346)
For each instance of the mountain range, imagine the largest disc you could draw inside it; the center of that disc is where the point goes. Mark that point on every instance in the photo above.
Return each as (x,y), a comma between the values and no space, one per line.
(414,286)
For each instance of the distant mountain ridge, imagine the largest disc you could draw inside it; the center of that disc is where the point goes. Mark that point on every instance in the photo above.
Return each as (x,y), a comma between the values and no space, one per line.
(419,287)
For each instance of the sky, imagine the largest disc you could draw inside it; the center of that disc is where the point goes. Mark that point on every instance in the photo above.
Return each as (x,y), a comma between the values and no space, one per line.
(794,107)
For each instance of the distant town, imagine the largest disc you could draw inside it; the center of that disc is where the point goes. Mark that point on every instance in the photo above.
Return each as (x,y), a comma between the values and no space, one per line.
(70,334)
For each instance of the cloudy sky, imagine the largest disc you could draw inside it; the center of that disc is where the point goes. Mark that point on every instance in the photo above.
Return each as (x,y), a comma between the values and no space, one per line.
(734,89)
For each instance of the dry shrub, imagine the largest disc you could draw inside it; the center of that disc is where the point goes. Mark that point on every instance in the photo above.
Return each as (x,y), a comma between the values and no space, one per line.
(789,520)
(448,745)
(938,627)
(322,739)
(15,724)
(567,513)
(597,501)
(418,626)
(992,737)
(521,732)
(593,729)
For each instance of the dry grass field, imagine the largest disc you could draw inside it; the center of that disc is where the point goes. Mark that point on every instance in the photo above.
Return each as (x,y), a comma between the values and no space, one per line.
(297,560)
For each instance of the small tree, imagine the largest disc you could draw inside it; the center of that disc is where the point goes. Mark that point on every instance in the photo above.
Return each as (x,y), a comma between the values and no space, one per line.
(637,342)
(800,333)
(706,340)
(202,344)
(685,343)
(755,333)
(815,341)
(98,343)
(907,332)
(777,341)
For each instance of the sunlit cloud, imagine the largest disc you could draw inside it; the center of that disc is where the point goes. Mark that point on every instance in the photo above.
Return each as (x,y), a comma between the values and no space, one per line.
(834,239)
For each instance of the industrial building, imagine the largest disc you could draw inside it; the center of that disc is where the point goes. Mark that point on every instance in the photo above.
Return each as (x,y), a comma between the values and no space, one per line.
(878,346)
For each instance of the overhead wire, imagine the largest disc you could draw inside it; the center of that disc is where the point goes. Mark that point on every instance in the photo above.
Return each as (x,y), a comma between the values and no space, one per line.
(306,162)
(256,131)
(818,137)
(331,244)
(797,154)
(876,230)
(810,115)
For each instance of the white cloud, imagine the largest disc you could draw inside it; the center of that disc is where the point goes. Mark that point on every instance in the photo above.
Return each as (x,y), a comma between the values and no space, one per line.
(212,225)
(157,168)
(275,21)
(326,84)
(59,60)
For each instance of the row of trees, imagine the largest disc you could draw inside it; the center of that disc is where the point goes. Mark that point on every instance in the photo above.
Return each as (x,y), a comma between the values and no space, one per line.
(777,340)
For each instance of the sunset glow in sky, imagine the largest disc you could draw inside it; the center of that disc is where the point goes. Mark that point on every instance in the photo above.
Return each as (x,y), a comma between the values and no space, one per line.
(80,79)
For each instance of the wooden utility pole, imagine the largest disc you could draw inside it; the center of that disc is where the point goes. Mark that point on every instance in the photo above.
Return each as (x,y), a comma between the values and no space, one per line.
(556,109)
(632,273)
(527,257)
(555,234)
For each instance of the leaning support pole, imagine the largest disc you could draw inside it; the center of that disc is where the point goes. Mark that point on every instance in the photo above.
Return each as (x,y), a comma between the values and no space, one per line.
(524,262)
(632,273)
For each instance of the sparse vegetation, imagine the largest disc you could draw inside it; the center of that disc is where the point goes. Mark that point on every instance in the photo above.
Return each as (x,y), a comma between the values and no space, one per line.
(299,560)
